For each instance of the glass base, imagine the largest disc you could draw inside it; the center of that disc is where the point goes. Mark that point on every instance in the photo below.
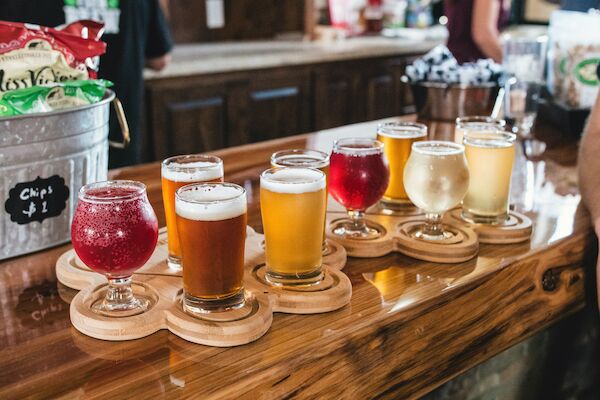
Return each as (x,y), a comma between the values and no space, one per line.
(174,263)
(484,219)
(200,306)
(348,229)
(326,249)
(307,279)
(423,233)
(118,299)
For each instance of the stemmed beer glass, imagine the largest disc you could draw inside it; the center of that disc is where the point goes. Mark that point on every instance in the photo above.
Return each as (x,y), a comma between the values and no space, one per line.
(436,179)
(358,177)
(114,232)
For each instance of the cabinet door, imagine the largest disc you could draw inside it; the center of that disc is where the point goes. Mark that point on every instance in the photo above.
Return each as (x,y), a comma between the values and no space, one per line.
(188,119)
(336,99)
(278,104)
(379,93)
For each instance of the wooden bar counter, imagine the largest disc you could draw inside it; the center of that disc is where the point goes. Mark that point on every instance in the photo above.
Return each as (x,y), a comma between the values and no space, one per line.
(410,327)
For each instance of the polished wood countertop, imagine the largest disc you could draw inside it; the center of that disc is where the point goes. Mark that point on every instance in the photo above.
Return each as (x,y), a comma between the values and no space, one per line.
(410,326)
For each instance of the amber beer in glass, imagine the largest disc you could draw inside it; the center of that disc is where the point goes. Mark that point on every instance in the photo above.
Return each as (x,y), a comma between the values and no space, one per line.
(179,171)
(490,158)
(292,203)
(398,138)
(211,222)
(307,159)
(476,124)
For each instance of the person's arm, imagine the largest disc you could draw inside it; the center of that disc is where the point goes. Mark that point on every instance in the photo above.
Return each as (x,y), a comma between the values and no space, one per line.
(484,27)
(158,39)
(589,178)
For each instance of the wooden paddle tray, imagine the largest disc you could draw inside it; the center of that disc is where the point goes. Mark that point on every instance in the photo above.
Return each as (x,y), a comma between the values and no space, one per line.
(397,228)
(163,286)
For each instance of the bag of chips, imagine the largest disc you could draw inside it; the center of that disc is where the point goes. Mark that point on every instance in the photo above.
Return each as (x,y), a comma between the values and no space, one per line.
(32,55)
(54,96)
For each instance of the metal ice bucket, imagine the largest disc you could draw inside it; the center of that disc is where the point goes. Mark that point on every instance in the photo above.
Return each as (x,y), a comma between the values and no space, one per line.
(45,158)
(443,102)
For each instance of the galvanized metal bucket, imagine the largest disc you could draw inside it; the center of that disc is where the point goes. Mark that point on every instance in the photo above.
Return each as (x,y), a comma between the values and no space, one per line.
(45,158)
(443,102)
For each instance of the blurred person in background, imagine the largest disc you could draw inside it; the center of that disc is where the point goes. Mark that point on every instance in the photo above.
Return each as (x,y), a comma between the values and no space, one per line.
(136,35)
(474,28)
(588,166)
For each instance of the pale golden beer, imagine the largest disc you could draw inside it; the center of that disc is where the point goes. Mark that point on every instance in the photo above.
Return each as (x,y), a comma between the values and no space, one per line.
(490,158)
(211,221)
(292,203)
(398,138)
(307,159)
(476,124)
(179,171)
(436,179)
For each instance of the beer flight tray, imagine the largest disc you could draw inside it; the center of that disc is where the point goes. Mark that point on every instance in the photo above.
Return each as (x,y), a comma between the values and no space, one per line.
(155,280)
(397,237)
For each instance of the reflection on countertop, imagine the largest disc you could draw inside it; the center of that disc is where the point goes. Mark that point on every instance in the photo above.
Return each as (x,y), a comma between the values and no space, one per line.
(197,59)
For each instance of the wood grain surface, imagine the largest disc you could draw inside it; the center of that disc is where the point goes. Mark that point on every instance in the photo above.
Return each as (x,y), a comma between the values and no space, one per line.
(410,325)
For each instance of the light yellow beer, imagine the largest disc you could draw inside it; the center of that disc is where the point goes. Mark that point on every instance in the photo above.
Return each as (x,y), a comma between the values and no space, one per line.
(292,203)
(490,157)
(476,124)
(398,138)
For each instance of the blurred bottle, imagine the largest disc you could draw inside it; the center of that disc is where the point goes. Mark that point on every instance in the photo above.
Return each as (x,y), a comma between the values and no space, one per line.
(418,14)
(374,16)
(394,13)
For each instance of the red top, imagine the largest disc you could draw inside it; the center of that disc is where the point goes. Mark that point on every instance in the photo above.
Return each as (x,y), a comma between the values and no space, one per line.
(460,41)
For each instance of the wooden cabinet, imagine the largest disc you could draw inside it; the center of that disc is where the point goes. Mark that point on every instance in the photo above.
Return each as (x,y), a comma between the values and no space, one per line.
(209,112)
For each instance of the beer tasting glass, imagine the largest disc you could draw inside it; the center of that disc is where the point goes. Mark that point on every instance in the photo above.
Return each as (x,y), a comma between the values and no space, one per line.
(358,178)
(114,233)
(397,138)
(476,124)
(490,158)
(292,203)
(307,159)
(179,171)
(436,179)
(211,221)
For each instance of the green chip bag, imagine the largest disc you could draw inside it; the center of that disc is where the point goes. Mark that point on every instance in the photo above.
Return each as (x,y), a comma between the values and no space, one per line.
(52,97)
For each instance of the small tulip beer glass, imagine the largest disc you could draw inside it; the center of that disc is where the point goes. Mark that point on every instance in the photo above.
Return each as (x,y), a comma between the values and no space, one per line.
(436,179)
(114,232)
(359,176)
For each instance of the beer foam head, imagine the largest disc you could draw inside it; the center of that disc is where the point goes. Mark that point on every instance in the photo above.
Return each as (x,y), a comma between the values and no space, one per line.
(293,180)
(210,202)
(402,130)
(438,148)
(196,171)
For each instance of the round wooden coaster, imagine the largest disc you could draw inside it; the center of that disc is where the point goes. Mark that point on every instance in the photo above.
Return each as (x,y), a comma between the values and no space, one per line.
(517,228)
(462,247)
(225,329)
(335,256)
(362,248)
(332,293)
(106,328)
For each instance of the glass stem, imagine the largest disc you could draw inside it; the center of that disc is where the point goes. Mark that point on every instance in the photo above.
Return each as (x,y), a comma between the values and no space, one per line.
(358,220)
(433,224)
(119,291)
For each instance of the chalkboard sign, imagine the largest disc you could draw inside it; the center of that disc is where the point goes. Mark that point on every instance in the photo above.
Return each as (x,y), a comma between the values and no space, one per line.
(37,200)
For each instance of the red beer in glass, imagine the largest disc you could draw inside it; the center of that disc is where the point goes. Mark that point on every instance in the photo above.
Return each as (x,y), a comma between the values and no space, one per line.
(358,178)
(114,232)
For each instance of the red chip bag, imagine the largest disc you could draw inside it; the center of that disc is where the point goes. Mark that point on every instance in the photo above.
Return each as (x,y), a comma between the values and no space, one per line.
(33,55)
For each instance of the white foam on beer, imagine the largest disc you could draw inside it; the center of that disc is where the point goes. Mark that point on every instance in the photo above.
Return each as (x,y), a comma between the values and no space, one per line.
(294,180)
(210,203)
(197,171)
(438,148)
